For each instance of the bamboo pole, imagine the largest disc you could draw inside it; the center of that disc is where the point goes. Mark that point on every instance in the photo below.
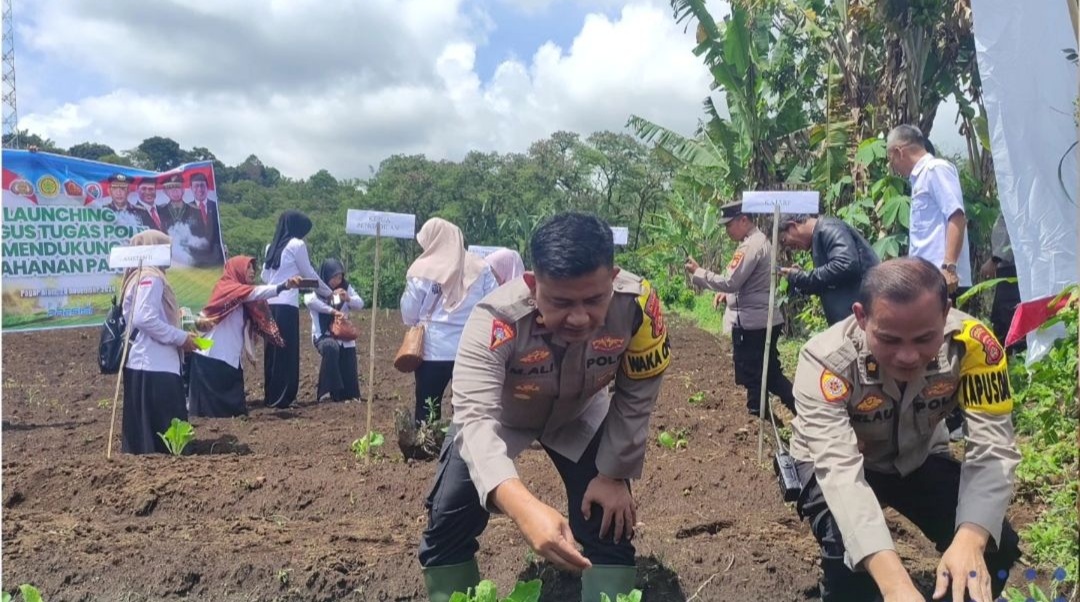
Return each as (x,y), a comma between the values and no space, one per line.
(768,334)
(371,346)
(123,362)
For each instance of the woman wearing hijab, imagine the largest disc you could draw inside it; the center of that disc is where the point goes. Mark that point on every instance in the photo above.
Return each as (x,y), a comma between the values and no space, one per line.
(236,316)
(443,285)
(153,389)
(506,265)
(286,257)
(338,378)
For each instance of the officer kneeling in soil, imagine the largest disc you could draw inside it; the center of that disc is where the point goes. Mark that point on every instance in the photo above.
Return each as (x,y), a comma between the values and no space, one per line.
(872,393)
(535,362)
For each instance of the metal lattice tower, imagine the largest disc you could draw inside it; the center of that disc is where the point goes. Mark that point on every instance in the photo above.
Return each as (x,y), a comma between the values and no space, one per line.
(11,114)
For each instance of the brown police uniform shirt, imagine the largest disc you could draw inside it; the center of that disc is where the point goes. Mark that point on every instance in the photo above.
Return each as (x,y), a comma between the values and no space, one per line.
(515,382)
(853,416)
(746,283)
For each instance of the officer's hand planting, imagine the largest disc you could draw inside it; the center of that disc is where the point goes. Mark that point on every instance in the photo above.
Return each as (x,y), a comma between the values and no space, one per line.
(964,566)
(547,532)
(614,497)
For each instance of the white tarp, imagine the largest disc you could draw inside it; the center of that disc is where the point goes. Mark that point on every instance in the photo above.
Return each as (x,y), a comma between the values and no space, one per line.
(1029,91)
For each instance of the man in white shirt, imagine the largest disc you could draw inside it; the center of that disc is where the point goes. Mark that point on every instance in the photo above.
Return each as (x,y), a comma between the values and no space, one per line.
(938,225)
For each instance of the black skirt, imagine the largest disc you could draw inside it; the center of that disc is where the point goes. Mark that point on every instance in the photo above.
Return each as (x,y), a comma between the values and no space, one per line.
(151,401)
(217,389)
(338,376)
(281,368)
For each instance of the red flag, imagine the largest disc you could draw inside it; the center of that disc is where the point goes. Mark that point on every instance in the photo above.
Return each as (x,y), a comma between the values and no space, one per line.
(1031,315)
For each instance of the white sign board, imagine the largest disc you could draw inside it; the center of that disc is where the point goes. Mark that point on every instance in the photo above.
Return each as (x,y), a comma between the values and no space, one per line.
(393,225)
(789,201)
(150,256)
(620,234)
(483,251)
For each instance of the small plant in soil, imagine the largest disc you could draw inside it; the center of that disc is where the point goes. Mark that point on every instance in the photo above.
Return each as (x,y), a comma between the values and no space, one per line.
(177,437)
(367,444)
(104,404)
(486,591)
(673,441)
(29,594)
(696,398)
(423,441)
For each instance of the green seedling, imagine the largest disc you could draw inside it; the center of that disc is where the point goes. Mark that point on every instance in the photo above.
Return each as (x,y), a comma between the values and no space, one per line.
(29,594)
(283,576)
(104,403)
(672,441)
(180,433)
(633,596)
(486,591)
(696,398)
(366,444)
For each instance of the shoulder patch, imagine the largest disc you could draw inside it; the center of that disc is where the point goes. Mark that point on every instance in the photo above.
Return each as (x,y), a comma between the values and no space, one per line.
(834,388)
(648,354)
(501,333)
(984,375)
(736,260)
(607,344)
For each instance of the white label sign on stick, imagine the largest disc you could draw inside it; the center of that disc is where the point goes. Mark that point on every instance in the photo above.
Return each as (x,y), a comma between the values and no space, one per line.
(393,225)
(620,234)
(150,256)
(482,250)
(789,201)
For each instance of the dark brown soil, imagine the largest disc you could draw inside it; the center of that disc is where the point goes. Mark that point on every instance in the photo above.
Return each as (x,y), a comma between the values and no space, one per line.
(275,506)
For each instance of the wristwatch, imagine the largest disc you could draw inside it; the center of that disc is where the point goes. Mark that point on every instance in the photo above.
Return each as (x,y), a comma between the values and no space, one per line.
(949,267)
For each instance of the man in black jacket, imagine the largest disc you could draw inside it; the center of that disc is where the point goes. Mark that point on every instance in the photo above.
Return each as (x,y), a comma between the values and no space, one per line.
(841,258)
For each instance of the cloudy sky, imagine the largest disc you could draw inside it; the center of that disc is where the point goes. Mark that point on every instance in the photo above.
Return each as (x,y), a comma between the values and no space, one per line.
(310,84)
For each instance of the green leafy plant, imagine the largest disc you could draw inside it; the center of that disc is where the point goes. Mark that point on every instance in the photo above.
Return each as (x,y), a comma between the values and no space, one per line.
(1053,593)
(673,441)
(696,398)
(29,594)
(366,444)
(485,591)
(179,434)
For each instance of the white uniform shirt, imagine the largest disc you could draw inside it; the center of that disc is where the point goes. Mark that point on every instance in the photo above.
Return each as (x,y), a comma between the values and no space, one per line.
(317,306)
(442,333)
(157,346)
(935,196)
(228,335)
(294,262)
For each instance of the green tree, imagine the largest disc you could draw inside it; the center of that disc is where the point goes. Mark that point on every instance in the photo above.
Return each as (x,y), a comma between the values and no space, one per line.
(160,153)
(91,150)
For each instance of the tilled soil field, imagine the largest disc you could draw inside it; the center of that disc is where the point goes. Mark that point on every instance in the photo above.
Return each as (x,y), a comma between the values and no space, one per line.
(275,507)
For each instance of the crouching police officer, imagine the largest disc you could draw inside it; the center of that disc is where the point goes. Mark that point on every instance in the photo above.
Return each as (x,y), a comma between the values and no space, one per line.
(872,392)
(535,363)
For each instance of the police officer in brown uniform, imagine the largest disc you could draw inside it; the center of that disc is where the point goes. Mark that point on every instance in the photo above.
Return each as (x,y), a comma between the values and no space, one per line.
(872,393)
(745,282)
(537,361)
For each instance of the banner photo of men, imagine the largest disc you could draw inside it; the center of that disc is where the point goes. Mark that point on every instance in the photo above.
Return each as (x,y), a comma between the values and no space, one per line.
(62,216)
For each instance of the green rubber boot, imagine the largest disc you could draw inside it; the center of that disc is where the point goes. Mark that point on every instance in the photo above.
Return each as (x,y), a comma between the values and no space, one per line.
(606,579)
(443,581)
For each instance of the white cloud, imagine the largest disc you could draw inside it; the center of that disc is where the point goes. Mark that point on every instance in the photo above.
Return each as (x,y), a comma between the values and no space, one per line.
(308,85)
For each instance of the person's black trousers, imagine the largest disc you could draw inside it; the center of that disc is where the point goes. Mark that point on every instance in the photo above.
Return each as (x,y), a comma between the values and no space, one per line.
(926,497)
(456,518)
(748,349)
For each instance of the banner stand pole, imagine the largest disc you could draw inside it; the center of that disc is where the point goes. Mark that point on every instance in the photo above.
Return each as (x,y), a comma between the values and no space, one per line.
(123,362)
(768,334)
(371,346)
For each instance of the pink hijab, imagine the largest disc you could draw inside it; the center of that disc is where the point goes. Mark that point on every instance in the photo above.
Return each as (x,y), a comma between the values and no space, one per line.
(445,261)
(506,265)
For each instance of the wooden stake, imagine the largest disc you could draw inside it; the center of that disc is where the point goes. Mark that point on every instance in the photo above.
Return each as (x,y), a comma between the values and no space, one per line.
(123,361)
(768,334)
(371,347)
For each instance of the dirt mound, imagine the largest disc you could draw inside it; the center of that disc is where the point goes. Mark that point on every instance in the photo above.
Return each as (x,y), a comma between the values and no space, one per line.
(274,506)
